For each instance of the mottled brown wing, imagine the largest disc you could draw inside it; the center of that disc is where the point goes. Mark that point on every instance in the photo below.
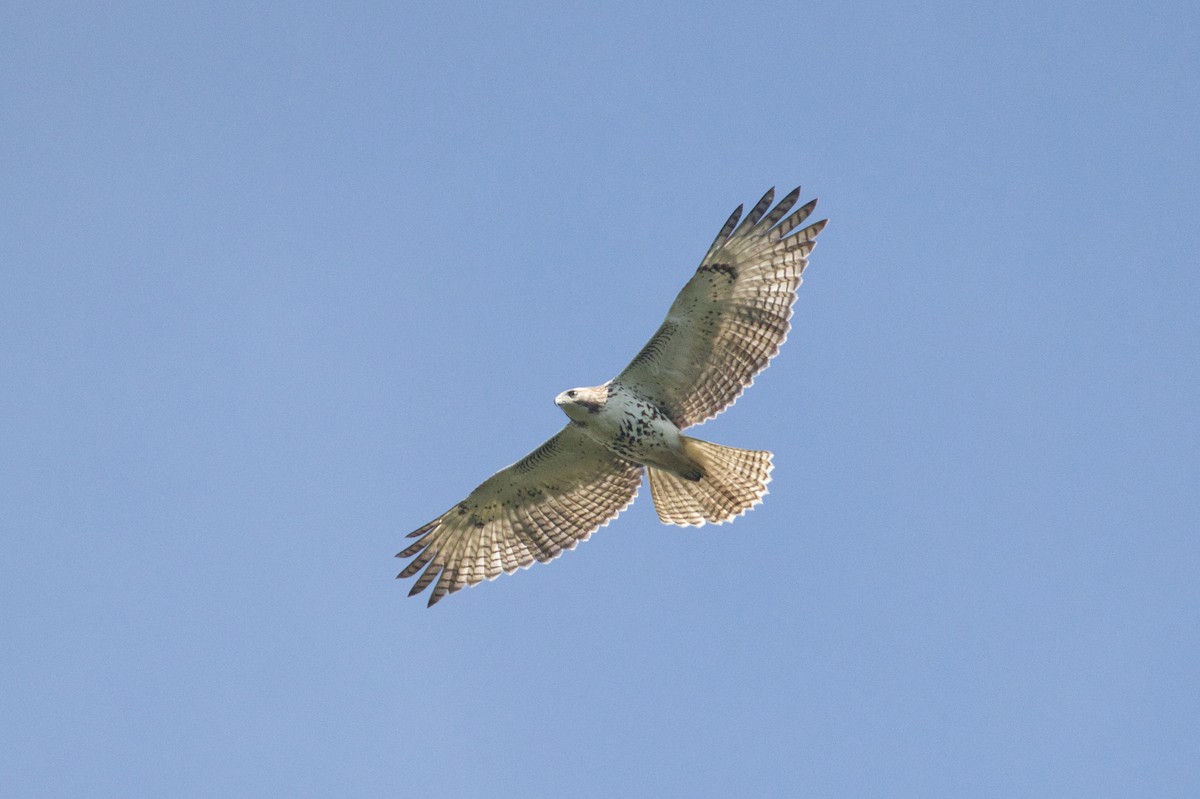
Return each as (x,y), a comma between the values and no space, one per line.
(731,317)
(547,502)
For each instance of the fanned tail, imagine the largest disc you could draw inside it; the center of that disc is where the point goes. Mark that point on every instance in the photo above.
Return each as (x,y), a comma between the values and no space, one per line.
(734,481)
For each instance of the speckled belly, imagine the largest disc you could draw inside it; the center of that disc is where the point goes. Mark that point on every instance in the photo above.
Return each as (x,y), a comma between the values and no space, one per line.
(637,429)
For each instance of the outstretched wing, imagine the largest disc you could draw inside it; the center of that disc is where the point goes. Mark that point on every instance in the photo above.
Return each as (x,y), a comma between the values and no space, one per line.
(731,317)
(553,498)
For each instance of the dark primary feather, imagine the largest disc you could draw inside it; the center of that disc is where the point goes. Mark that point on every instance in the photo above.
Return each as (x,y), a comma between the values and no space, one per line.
(531,511)
(725,325)
(732,316)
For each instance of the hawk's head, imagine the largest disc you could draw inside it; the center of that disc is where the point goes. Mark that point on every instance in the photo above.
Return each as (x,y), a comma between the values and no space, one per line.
(579,403)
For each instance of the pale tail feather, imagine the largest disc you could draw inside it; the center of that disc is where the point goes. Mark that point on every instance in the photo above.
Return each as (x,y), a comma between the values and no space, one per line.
(735,480)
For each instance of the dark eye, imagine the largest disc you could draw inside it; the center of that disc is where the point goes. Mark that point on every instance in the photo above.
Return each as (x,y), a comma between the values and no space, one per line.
(571,393)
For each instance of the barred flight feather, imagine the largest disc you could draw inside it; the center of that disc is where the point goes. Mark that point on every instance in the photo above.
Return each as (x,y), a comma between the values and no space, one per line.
(719,334)
(723,328)
(503,525)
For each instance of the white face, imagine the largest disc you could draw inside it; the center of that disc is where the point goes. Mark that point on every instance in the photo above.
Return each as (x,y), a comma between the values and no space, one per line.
(566,401)
(566,397)
(572,403)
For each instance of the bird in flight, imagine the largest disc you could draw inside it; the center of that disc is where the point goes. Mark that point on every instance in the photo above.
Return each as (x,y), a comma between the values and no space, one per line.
(722,330)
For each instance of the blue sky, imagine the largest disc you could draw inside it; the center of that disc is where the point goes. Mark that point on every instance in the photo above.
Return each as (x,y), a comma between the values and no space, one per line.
(280,284)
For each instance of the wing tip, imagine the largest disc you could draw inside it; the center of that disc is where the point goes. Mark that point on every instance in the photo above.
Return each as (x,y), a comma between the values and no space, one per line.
(423,529)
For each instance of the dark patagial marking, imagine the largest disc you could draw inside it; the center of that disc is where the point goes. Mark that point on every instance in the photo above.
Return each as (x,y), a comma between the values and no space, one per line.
(725,269)
(538,455)
(655,344)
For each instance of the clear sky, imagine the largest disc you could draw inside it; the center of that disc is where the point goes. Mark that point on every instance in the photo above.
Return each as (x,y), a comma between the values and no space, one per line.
(279,285)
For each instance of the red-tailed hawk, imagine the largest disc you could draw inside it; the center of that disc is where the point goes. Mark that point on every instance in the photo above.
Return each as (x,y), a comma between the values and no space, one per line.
(723,328)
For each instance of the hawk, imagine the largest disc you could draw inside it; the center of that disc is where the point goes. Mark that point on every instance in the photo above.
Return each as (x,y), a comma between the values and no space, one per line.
(722,330)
